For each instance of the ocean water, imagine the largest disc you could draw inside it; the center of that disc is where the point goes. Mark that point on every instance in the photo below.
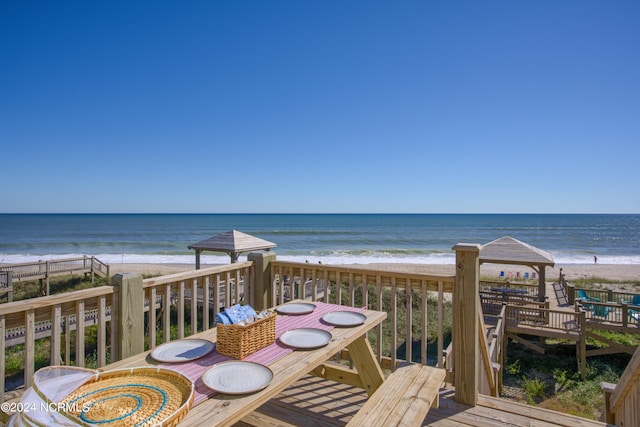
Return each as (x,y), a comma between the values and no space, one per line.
(329,238)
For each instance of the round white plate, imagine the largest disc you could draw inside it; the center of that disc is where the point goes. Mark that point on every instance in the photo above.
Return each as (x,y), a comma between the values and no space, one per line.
(182,350)
(296,308)
(306,338)
(344,318)
(237,377)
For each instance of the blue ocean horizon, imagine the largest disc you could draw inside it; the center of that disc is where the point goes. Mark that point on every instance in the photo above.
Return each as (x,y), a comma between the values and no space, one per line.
(326,238)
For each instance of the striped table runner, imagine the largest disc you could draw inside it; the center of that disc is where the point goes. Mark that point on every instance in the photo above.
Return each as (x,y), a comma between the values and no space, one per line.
(194,369)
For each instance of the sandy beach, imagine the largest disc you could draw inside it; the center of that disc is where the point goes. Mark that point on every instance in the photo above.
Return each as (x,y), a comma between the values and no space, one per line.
(619,272)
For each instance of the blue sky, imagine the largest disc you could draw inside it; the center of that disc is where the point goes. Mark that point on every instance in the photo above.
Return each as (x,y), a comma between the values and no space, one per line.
(309,106)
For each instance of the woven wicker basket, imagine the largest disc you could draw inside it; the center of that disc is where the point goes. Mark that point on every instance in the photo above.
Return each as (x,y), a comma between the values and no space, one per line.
(135,396)
(239,341)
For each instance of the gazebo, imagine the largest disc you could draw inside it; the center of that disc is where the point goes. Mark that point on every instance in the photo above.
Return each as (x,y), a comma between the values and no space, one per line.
(507,250)
(233,243)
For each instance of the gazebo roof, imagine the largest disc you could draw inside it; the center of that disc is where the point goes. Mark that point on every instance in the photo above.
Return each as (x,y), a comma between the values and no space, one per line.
(232,241)
(507,250)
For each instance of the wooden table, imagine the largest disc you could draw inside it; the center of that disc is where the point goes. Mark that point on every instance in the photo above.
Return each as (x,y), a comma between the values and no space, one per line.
(225,410)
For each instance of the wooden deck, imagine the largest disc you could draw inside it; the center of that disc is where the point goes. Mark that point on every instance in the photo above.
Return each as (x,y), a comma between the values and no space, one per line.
(321,403)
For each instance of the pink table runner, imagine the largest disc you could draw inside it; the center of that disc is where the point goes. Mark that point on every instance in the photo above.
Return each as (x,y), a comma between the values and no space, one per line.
(194,369)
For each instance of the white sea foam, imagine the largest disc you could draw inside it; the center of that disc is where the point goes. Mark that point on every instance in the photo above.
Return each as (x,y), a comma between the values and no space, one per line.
(334,258)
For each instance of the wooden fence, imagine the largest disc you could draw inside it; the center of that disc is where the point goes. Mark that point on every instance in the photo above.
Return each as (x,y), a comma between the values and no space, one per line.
(140,313)
(55,323)
(43,270)
(396,293)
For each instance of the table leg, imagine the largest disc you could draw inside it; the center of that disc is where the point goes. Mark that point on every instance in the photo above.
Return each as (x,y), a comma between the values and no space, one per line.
(366,364)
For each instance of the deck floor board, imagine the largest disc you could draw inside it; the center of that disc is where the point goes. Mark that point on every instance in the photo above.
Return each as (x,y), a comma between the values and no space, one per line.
(321,403)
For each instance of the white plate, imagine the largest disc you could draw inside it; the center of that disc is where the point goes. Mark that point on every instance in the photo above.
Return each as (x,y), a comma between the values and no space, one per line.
(237,377)
(296,308)
(306,338)
(344,318)
(182,350)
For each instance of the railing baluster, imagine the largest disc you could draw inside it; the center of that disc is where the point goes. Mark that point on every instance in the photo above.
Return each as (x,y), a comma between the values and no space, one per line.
(409,323)
(393,311)
(80,333)
(102,330)
(379,308)
(227,290)
(181,309)
(238,293)
(29,347)
(206,286)
(194,306)
(440,324)
(216,294)
(424,324)
(166,307)
(151,316)
(56,330)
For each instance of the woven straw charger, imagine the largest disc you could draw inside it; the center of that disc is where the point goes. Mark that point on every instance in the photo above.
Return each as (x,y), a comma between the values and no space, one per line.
(132,397)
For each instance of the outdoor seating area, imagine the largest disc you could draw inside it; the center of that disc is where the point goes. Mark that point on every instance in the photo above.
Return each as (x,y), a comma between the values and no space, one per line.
(582,294)
(614,307)
(361,358)
(634,312)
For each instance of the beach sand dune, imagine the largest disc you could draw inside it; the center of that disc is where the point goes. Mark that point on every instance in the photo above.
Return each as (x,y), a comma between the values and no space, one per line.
(619,272)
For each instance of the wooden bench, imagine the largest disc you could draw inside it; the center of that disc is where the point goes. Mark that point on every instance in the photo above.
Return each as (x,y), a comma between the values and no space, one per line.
(403,399)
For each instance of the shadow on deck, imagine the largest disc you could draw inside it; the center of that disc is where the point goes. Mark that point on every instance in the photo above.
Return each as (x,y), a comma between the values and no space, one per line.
(317,402)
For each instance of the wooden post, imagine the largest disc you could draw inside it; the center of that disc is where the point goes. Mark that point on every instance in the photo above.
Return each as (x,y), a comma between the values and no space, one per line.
(67,340)
(3,331)
(571,294)
(29,346)
(262,287)
(56,331)
(47,278)
(10,286)
(542,287)
(582,344)
(198,259)
(607,390)
(130,314)
(466,355)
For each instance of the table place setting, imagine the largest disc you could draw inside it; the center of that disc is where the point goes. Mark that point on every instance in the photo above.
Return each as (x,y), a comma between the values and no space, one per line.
(294,326)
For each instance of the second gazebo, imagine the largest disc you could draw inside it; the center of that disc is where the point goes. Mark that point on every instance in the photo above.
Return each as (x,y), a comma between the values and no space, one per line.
(233,243)
(508,250)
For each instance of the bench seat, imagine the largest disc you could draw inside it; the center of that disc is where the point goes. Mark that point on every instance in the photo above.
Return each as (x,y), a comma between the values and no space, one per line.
(403,399)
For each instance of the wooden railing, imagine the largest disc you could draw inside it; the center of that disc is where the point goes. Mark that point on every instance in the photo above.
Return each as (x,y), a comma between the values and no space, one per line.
(491,352)
(496,349)
(400,294)
(223,286)
(604,295)
(56,309)
(42,269)
(621,400)
(537,316)
(12,273)
(393,292)
(609,315)
(492,301)
(198,295)
(57,324)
